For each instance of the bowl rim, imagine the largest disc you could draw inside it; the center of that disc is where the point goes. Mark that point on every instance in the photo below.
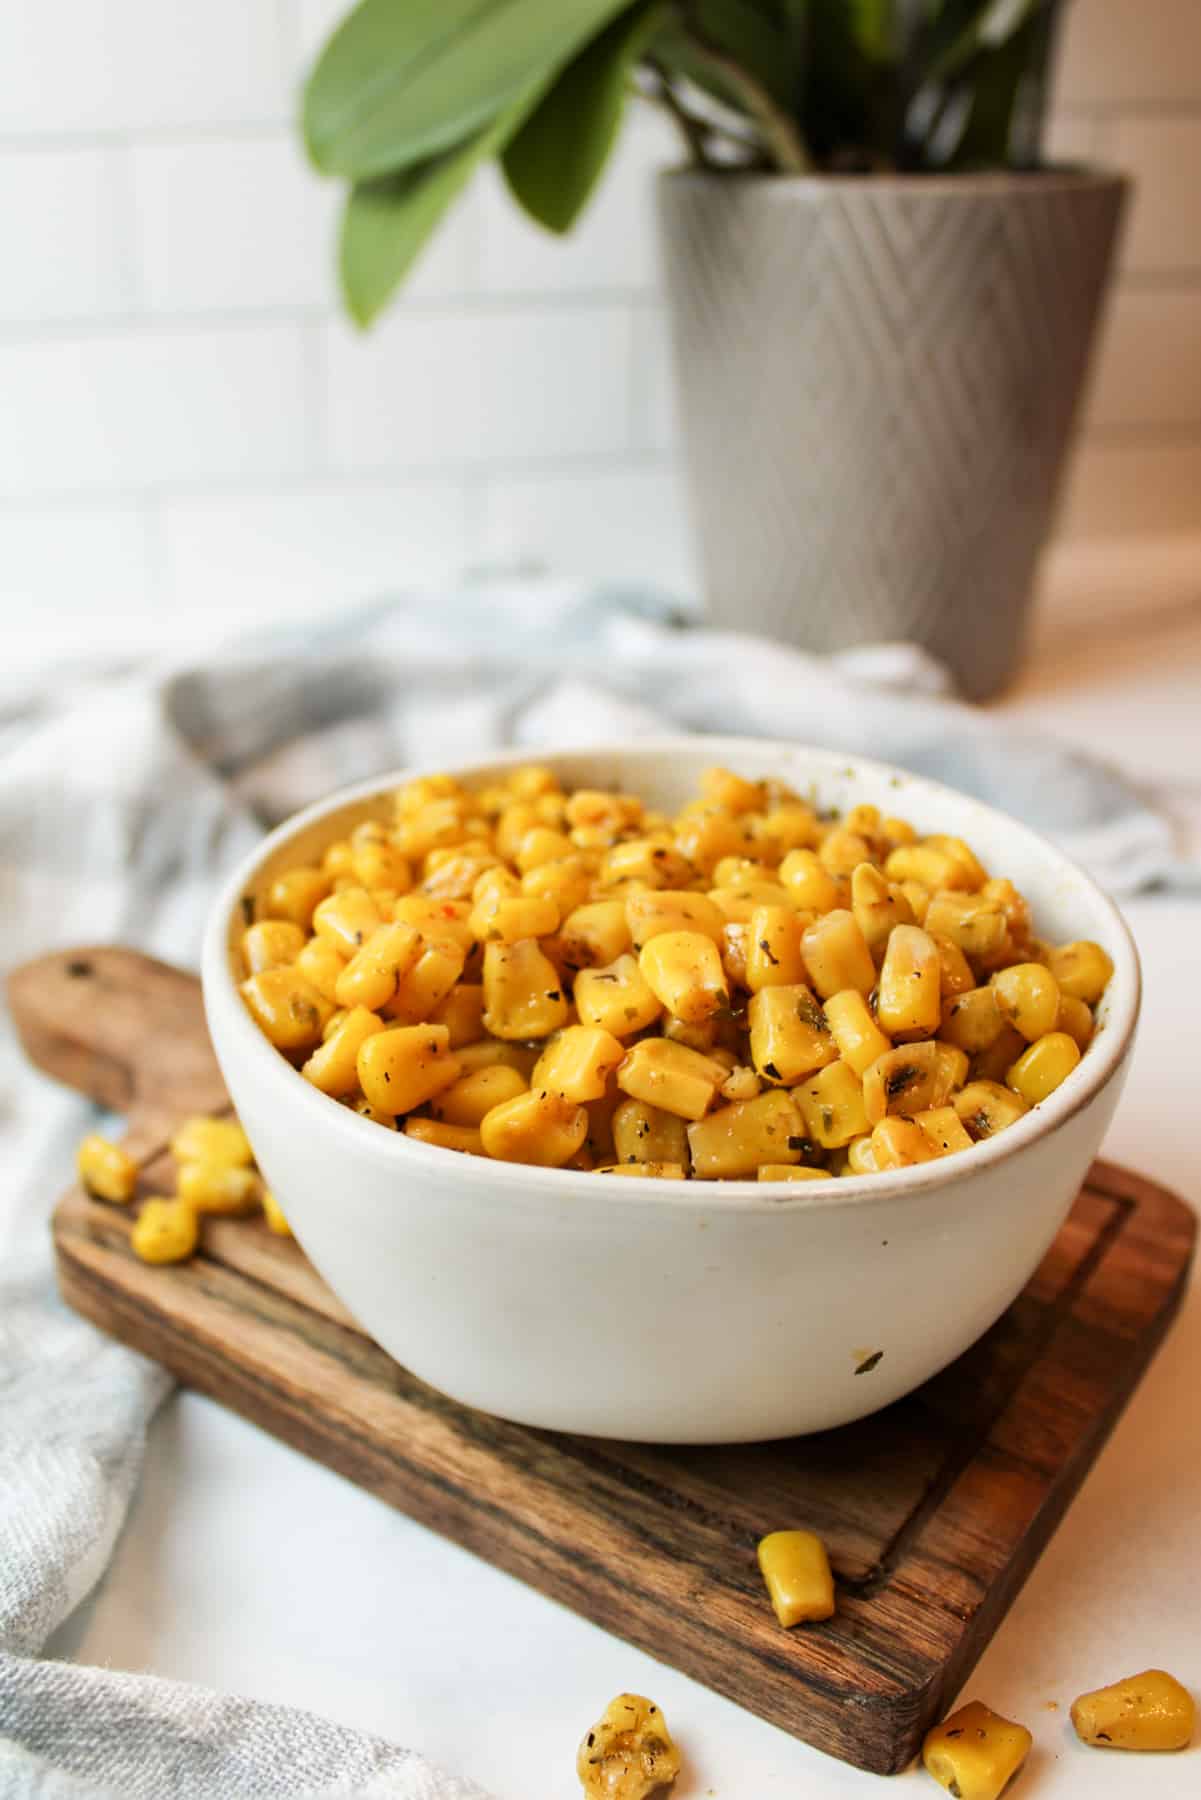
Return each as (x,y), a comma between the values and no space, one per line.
(1104,1059)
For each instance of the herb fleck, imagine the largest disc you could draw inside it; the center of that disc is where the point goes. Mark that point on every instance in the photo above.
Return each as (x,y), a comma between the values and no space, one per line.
(766,949)
(899,1080)
(869,1363)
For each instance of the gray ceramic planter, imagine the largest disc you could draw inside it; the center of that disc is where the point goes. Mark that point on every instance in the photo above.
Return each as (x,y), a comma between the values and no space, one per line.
(878,379)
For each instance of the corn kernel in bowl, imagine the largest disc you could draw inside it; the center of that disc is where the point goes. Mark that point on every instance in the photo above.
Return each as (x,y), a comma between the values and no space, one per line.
(746,990)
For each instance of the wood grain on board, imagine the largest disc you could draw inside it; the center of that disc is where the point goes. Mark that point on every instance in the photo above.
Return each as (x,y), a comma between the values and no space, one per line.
(934,1511)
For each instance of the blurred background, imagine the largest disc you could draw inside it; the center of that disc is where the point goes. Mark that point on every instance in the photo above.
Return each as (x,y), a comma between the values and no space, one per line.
(194,441)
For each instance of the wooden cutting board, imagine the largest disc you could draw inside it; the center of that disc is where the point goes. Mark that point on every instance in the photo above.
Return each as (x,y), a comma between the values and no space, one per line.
(934,1511)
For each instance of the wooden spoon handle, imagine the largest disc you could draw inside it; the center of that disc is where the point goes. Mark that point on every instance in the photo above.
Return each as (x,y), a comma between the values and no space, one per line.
(121,1027)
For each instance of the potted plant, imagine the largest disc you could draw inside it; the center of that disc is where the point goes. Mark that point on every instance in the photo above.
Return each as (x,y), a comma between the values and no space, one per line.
(882,302)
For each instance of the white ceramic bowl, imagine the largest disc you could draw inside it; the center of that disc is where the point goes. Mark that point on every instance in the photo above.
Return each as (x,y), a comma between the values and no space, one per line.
(691,1312)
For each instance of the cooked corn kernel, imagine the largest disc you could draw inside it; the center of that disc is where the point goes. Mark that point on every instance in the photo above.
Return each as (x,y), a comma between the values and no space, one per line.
(1151,1711)
(334,1067)
(106,1171)
(773,948)
(287,1009)
(944,1128)
(670,1077)
(1029,998)
(684,972)
(464,1138)
(347,919)
(405,1066)
(422,989)
(1082,970)
(1076,1018)
(956,971)
(733,1142)
(204,1139)
(973,1020)
(832,1107)
(616,998)
(462,1013)
(629,1753)
(647,1134)
(523,995)
(856,1034)
(321,963)
(878,905)
(651,913)
(836,955)
(165,1231)
(976,925)
(596,934)
(909,1001)
(437,920)
(1039,1070)
(295,895)
(490,1052)
(469,1099)
(789,1034)
(271,944)
(217,1187)
(986,1108)
(995,1063)
(742,1083)
(536,1127)
(578,1062)
(910,1079)
(809,883)
(796,1570)
(975,1753)
(374,972)
(898,1143)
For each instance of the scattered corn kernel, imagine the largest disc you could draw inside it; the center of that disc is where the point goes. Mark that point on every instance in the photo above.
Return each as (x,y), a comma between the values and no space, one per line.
(1151,1711)
(796,1570)
(165,1231)
(629,1753)
(216,1187)
(106,1171)
(204,1139)
(975,1753)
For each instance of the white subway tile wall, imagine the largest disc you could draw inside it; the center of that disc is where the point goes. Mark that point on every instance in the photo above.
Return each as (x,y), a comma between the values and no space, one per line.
(189,429)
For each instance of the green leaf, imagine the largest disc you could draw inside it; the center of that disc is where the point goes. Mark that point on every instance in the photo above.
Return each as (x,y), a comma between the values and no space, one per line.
(402,80)
(747,30)
(553,162)
(388,221)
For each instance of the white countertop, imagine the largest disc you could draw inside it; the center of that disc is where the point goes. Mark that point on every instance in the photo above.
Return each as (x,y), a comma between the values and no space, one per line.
(250,1569)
